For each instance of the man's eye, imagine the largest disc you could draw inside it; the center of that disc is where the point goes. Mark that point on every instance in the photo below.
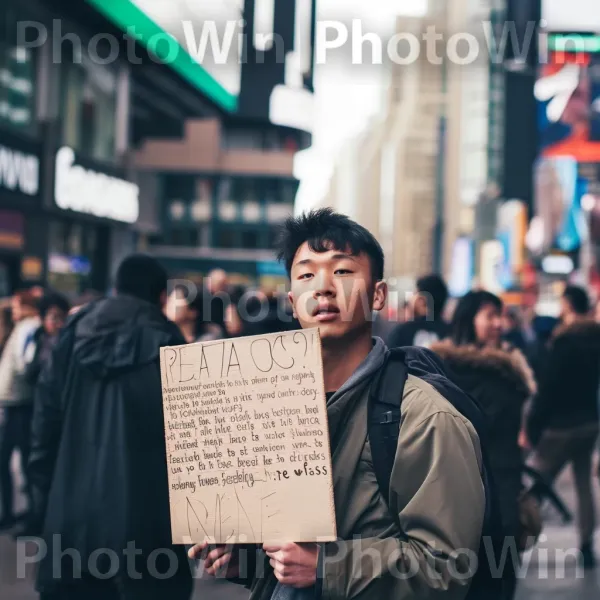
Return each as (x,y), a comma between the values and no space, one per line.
(305,276)
(343,272)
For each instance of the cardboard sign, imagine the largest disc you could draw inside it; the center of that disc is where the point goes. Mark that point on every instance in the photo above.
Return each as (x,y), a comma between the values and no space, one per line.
(247,440)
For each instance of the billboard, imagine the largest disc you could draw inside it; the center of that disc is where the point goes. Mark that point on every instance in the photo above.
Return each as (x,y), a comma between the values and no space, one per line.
(462,267)
(559,223)
(510,233)
(568,99)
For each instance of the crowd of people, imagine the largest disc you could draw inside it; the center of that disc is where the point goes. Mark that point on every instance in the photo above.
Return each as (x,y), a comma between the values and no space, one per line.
(81,401)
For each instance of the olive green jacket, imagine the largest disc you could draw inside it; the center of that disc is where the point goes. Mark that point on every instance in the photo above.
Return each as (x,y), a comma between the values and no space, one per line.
(437,505)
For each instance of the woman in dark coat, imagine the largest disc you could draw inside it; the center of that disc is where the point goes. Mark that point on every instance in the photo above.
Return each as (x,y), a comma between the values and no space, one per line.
(498,377)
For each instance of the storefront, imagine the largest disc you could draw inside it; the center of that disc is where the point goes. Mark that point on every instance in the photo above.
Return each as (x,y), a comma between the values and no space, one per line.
(20,200)
(84,227)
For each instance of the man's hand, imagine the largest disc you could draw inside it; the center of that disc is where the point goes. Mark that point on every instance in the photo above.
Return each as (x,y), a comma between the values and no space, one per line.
(218,560)
(294,564)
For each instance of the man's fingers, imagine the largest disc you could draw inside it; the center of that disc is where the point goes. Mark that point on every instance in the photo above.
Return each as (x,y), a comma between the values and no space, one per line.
(279,569)
(278,556)
(196,551)
(219,564)
(272,548)
(215,554)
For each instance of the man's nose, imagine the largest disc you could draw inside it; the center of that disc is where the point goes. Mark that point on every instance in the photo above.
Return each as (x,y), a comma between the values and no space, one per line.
(323,286)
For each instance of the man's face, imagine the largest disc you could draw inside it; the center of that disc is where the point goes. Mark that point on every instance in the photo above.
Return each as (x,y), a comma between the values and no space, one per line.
(335,292)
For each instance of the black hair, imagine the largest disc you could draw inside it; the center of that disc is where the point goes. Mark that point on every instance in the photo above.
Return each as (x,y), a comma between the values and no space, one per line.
(143,277)
(578,298)
(434,286)
(325,230)
(463,322)
(53,300)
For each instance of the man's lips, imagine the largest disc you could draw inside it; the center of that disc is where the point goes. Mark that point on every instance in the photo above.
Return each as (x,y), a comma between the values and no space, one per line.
(326,313)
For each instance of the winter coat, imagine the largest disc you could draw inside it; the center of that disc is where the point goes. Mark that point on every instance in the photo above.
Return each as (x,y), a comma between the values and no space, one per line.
(15,388)
(501,382)
(37,353)
(98,468)
(436,501)
(568,395)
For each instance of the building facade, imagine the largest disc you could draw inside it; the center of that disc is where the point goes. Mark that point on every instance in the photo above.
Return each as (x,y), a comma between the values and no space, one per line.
(211,201)
(79,98)
(215,197)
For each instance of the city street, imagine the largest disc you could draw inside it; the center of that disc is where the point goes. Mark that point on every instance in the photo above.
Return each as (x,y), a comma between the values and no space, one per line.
(547,575)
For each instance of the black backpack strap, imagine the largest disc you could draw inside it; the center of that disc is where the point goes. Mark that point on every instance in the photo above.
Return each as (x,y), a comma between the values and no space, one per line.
(385,399)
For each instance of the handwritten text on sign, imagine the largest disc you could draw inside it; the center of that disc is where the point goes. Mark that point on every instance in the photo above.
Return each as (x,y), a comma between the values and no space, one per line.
(247,440)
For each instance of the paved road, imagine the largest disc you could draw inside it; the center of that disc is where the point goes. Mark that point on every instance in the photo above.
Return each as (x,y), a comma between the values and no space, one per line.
(546,573)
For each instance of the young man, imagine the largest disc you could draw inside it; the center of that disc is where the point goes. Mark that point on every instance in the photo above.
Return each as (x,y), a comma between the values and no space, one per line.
(436,496)
(98,465)
(427,325)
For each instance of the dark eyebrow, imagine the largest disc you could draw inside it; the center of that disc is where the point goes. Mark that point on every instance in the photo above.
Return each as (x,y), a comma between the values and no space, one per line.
(340,256)
(343,256)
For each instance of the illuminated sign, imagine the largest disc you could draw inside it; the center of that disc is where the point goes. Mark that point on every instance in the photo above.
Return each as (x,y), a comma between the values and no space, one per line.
(89,191)
(568,95)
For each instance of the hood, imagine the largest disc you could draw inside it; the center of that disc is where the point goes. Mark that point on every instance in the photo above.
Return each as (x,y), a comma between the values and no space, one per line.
(121,333)
(505,363)
(585,331)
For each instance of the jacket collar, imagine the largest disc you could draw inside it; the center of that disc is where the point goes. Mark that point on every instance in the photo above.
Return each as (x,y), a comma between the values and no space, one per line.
(584,327)
(506,363)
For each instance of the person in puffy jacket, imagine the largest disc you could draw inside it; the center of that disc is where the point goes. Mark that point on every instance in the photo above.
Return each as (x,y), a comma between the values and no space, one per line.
(499,378)
(98,465)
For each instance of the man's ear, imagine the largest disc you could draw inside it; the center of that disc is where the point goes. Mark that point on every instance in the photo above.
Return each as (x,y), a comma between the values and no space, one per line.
(291,299)
(380,296)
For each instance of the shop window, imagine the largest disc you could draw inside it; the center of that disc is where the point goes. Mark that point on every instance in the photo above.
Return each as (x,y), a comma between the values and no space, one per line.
(250,240)
(89,100)
(17,73)
(182,237)
(227,238)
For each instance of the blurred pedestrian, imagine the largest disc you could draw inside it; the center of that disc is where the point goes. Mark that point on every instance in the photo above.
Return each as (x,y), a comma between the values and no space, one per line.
(217,288)
(6,326)
(234,326)
(98,464)
(186,310)
(252,312)
(562,424)
(54,309)
(427,325)
(16,401)
(512,329)
(498,377)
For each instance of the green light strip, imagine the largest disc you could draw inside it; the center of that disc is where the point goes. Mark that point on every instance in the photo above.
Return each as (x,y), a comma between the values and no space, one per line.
(124,15)
(573,43)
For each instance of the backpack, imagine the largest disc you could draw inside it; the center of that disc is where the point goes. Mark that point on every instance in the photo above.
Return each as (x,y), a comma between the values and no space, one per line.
(384,416)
